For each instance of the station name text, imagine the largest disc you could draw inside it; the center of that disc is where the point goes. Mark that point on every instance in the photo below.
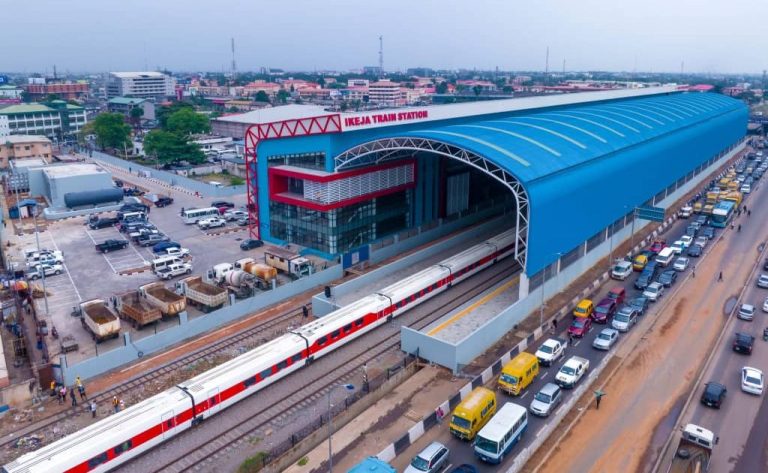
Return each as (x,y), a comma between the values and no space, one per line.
(390,117)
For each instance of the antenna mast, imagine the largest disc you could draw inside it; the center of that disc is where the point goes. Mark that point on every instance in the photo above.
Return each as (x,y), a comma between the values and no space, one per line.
(381,56)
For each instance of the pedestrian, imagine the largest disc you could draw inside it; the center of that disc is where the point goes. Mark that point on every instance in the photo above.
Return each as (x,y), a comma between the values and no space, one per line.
(72,395)
(81,389)
(693,272)
(62,394)
(570,338)
(738,228)
(115,404)
(53,388)
(732,226)
(129,169)
(93,410)
(78,382)
(122,404)
(598,396)
(554,325)
(720,276)
(749,213)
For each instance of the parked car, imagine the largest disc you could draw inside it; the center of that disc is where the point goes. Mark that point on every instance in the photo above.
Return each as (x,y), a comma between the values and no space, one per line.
(151,239)
(640,303)
(212,222)
(654,291)
(605,339)
(762,281)
(163,246)
(765,305)
(668,278)
(430,460)
(250,243)
(233,215)
(464,468)
(752,380)
(743,343)
(579,326)
(163,201)
(713,395)
(746,312)
(133,207)
(694,251)
(103,223)
(47,269)
(176,251)
(625,318)
(244,222)
(604,310)
(681,264)
(111,245)
(546,400)
(222,203)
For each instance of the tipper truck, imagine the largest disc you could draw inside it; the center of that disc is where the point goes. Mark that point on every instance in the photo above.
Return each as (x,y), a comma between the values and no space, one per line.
(99,320)
(167,301)
(134,308)
(263,273)
(201,294)
(290,263)
(694,450)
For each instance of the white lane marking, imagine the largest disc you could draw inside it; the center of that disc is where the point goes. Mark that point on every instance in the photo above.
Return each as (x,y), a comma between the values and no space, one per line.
(526,393)
(545,374)
(53,241)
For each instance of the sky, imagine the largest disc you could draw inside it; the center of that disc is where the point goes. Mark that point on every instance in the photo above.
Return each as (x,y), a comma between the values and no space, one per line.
(192,35)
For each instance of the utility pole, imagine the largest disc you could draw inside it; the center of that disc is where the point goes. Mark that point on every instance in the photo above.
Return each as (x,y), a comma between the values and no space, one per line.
(234,65)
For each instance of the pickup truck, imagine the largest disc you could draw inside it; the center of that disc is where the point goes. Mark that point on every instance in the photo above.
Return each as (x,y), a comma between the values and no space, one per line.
(111,245)
(551,351)
(212,222)
(178,252)
(151,239)
(174,270)
(572,371)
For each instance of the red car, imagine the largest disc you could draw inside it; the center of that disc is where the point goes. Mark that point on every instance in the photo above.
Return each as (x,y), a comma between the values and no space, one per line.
(604,310)
(580,326)
(618,294)
(657,246)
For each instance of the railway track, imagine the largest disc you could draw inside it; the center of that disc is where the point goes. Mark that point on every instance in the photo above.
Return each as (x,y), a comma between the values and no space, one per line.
(259,332)
(192,448)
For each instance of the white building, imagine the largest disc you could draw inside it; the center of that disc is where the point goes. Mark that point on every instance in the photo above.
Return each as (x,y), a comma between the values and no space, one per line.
(385,93)
(148,85)
(5,129)
(10,92)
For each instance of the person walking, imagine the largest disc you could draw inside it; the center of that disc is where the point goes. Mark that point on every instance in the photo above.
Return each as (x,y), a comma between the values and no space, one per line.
(93,410)
(749,213)
(53,388)
(62,394)
(554,325)
(739,228)
(115,404)
(81,389)
(693,272)
(72,395)
(598,396)
(720,276)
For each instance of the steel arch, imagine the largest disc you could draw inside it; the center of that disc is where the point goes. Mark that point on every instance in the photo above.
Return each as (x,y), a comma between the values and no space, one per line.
(387,149)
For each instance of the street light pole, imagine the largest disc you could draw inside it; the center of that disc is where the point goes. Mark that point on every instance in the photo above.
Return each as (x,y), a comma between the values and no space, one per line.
(348,387)
(42,270)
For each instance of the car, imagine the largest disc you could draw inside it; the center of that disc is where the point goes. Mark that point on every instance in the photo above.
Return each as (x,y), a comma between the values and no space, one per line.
(651,267)
(464,468)
(657,246)
(765,264)
(654,291)
(686,211)
(640,303)
(752,380)
(546,400)
(708,232)
(234,215)
(250,243)
(605,339)
(604,310)
(762,281)
(686,240)
(45,269)
(103,223)
(222,203)
(244,221)
(621,270)
(163,246)
(639,262)
(701,241)
(111,245)
(701,220)
(694,251)
(746,312)
(643,281)
(133,207)
(430,460)
(571,372)
(765,305)
(617,293)
(714,394)
(579,327)
(668,277)
(118,182)
(212,222)
(625,318)
(691,231)
(677,247)
(681,263)
(175,251)
(163,201)
(550,351)
(152,239)
(743,343)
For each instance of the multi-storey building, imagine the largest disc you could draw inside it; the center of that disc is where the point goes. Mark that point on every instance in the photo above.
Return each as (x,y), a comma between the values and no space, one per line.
(386,93)
(55,119)
(64,90)
(24,147)
(148,85)
(5,130)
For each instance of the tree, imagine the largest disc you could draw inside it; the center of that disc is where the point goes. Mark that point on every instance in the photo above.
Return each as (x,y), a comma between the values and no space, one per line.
(187,122)
(169,148)
(262,96)
(507,89)
(477,90)
(442,87)
(282,96)
(136,113)
(111,130)
(321,82)
(163,113)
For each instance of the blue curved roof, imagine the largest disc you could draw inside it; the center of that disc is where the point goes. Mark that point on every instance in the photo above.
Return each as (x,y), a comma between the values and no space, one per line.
(534,144)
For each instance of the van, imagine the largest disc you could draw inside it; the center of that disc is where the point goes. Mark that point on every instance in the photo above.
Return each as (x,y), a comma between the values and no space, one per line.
(665,256)
(164,262)
(128,217)
(473,413)
(519,373)
(430,460)
(584,308)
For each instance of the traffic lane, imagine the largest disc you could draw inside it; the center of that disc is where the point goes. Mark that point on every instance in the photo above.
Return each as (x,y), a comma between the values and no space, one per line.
(754,456)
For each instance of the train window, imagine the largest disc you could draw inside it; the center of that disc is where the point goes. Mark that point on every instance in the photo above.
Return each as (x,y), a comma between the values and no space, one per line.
(212,401)
(348,327)
(97,460)
(169,424)
(359,322)
(296,357)
(282,365)
(335,333)
(249,382)
(123,447)
(321,341)
(266,373)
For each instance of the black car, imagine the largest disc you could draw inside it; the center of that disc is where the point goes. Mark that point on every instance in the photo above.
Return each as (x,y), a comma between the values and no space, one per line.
(694,251)
(691,230)
(701,219)
(713,394)
(250,243)
(133,208)
(222,203)
(668,277)
(465,468)
(163,201)
(708,232)
(639,303)
(111,245)
(643,280)
(743,343)
(132,191)
(651,267)
(103,223)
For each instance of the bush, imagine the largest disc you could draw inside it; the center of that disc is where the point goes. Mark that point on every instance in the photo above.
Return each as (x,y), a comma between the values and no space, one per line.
(253,464)
(236,181)
(303,461)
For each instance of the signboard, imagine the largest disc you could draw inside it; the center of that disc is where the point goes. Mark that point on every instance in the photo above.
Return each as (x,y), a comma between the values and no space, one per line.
(3,79)
(355,257)
(385,117)
(654,214)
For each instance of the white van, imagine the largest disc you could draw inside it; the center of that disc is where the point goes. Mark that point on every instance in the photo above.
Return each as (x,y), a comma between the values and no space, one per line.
(164,262)
(665,256)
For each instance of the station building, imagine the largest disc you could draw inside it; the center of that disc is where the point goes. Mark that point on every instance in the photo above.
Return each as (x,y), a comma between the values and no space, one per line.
(566,172)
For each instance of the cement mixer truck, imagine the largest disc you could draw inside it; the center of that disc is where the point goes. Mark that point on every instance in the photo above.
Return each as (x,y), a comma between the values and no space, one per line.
(240,283)
(264,274)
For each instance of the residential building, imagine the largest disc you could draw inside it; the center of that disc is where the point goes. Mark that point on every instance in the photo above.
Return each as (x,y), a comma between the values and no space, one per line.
(66,90)
(358,83)
(148,85)
(5,130)
(55,119)
(385,93)
(352,94)
(10,92)
(212,144)
(18,147)
(270,88)
(124,105)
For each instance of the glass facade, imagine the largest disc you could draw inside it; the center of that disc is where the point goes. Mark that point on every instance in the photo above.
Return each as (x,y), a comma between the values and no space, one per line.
(301,160)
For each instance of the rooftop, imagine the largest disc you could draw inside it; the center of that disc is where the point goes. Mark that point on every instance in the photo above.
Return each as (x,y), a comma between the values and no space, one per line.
(19,139)
(276,114)
(75,169)
(132,75)
(126,101)
(25,108)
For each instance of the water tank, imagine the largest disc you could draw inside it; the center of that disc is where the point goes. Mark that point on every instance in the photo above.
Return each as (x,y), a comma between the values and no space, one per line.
(92,198)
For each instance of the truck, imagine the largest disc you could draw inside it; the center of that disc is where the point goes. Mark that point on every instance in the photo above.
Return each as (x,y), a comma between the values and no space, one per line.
(551,350)
(693,451)
(167,301)
(99,320)
(111,245)
(173,270)
(133,307)
(292,264)
(201,294)
(240,283)
(263,273)
(220,271)
(572,371)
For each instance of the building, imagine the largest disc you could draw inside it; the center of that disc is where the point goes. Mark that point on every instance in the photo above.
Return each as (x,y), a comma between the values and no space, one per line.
(20,147)
(253,88)
(212,144)
(56,119)
(10,92)
(148,85)
(66,90)
(59,183)
(386,93)
(5,129)
(124,105)
(235,125)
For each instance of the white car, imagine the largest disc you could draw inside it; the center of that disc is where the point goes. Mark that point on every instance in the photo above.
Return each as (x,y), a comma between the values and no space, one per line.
(605,339)
(212,222)
(621,270)
(178,252)
(47,269)
(765,305)
(681,264)
(653,291)
(701,241)
(746,189)
(752,380)
(686,240)
(677,247)
(232,215)
(571,372)
(762,281)
(746,312)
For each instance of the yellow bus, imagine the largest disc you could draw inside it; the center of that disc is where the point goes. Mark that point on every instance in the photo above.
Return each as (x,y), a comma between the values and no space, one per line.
(472,413)
(519,373)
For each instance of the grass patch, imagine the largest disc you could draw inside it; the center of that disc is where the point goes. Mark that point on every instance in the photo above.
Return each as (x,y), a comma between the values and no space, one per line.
(303,461)
(253,464)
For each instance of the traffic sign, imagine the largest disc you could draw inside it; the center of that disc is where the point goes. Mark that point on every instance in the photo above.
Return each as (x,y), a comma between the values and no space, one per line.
(654,214)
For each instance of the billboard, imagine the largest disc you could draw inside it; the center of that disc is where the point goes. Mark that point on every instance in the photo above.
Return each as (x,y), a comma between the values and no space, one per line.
(3,79)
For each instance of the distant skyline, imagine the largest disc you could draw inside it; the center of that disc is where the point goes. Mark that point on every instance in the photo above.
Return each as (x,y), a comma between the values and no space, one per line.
(653,35)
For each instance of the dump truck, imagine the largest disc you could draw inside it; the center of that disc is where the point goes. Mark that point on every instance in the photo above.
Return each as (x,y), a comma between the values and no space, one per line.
(693,451)
(292,264)
(133,307)
(240,283)
(167,301)
(99,320)
(201,294)
(263,273)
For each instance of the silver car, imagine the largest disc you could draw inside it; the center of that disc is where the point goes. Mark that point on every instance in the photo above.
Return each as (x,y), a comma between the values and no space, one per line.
(546,400)
(605,339)
(746,312)
(762,281)
(681,264)
(430,460)
(624,319)
(653,291)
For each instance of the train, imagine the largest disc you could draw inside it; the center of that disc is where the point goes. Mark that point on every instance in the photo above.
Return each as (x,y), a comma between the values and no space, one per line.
(116,439)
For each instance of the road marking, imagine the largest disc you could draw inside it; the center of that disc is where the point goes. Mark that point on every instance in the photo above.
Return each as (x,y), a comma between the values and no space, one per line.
(526,393)
(576,343)
(53,241)
(482,301)
(545,374)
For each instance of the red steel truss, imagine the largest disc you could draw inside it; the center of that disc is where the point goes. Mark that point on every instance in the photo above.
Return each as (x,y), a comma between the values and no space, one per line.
(283,129)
